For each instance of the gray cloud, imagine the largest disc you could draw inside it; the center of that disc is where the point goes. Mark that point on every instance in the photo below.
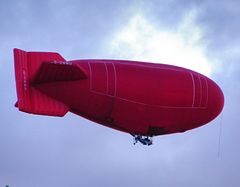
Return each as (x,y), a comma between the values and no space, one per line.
(71,151)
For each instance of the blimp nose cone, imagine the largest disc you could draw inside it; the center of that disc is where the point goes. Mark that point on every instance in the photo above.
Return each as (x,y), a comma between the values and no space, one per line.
(215,100)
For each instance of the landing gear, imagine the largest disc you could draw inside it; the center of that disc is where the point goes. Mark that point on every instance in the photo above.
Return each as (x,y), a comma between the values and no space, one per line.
(145,140)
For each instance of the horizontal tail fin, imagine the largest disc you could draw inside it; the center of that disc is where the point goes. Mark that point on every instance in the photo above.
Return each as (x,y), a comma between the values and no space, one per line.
(54,72)
(33,68)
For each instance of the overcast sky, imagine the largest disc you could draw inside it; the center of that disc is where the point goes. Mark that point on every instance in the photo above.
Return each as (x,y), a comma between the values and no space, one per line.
(72,151)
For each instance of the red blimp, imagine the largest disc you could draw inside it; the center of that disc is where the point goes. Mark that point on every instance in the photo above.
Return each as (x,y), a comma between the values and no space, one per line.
(143,99)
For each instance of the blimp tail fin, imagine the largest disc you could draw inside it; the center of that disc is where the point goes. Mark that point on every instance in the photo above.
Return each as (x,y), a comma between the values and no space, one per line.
(58,71)
(31,100)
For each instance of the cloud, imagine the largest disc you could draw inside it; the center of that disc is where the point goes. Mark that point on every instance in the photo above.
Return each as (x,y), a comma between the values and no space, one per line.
(71,151)
(140,39)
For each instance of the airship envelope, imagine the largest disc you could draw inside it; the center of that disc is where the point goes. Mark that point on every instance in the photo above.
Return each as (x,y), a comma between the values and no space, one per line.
(135,97)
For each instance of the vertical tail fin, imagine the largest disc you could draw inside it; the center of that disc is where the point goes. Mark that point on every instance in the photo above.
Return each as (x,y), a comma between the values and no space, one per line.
(30,100)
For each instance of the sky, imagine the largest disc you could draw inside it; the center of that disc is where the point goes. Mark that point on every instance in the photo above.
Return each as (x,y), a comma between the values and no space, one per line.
(38,151)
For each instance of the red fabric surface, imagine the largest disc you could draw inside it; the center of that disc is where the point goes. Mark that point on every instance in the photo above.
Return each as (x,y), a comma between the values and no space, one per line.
(135,97)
